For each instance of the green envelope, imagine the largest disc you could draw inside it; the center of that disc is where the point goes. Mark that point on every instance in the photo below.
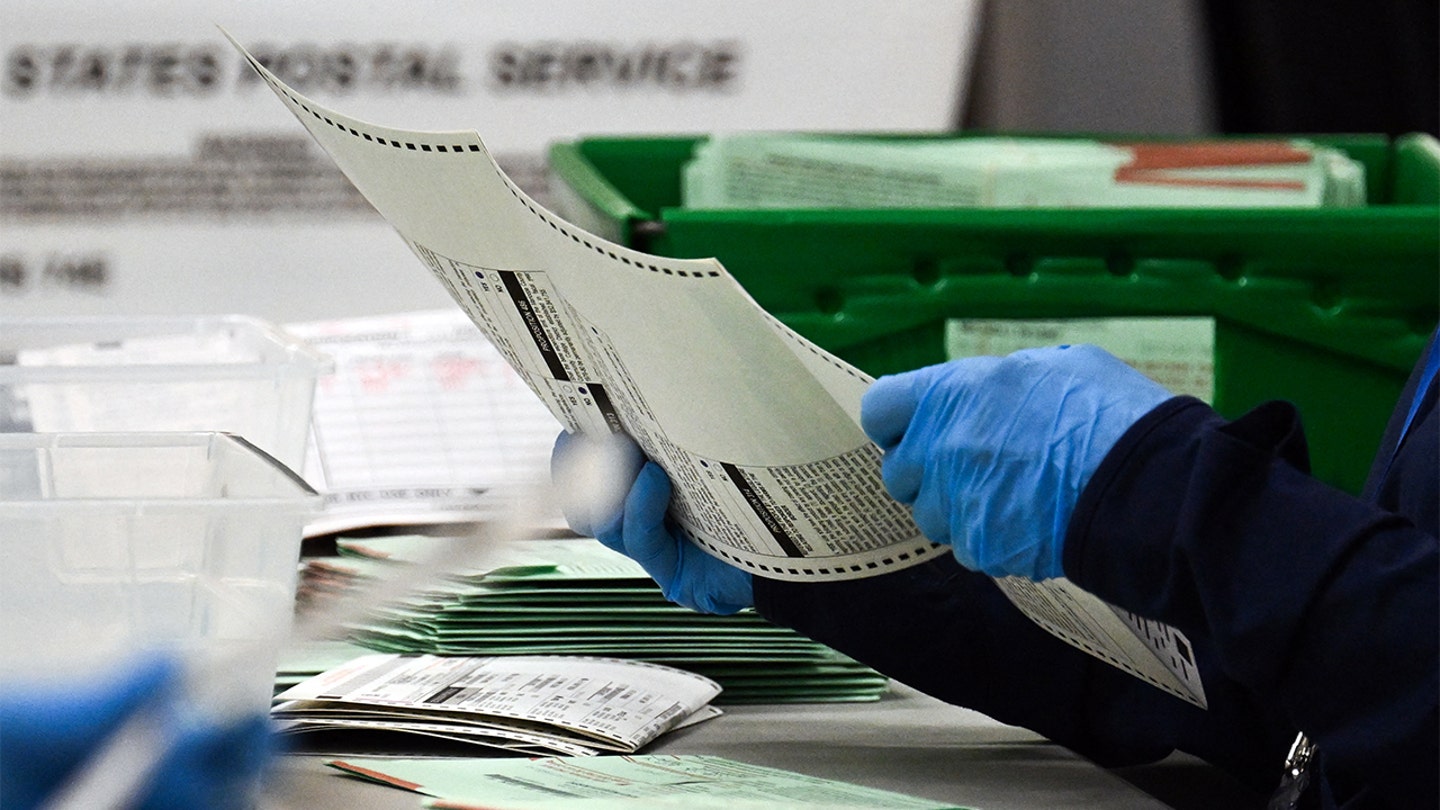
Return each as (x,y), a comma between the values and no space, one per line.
(573,596)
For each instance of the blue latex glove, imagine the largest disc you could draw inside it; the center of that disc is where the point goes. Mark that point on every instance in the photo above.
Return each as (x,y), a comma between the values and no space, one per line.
(46,736)
(993,452)
(614,494)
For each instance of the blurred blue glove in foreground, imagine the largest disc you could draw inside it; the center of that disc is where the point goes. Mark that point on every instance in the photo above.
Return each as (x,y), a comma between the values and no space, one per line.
(993,452)
(609,490)
(46,737)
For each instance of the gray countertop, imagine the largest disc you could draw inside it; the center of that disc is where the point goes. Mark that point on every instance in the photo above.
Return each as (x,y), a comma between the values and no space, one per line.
(906,742)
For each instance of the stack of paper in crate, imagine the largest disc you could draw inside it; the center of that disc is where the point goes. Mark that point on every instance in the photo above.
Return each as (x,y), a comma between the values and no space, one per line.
(762,170)
(576,597)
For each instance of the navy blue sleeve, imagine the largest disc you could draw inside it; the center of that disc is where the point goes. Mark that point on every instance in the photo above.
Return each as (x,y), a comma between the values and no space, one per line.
(1321,605)
(952,634)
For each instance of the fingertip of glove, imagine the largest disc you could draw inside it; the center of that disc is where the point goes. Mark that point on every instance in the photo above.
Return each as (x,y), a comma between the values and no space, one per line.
(652,479)
(887,406)
(649,498)
(612,536)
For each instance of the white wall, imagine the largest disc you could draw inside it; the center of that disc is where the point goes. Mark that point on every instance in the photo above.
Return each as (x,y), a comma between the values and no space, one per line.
(144,171)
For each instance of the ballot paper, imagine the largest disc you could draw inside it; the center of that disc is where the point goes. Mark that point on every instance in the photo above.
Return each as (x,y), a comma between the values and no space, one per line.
(760,434)
(571,705)
(646,780)
(569,596)
(757,427)
(757,171)
(418,423)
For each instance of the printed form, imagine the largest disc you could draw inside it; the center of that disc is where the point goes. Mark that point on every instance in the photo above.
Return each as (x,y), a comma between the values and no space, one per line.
(761,435)
(404,430)
(759,432)
(573,705)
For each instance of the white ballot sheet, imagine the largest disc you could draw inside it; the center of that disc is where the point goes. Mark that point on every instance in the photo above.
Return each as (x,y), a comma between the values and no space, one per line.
(772,472)
(757,427)
(1151,651)
(574,705)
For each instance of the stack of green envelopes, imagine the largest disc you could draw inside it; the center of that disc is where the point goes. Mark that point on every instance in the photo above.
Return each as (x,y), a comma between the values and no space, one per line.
(575,597)
(752,171)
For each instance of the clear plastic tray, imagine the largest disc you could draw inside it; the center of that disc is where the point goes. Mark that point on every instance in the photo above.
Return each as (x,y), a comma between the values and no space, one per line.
(220,373)
(119,543)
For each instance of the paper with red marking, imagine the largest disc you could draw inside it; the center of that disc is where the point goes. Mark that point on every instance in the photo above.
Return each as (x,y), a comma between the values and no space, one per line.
(763,171)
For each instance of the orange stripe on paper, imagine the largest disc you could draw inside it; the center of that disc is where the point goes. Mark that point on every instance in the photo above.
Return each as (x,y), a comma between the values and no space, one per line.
(1150,163)
(1200,154)
(376,775)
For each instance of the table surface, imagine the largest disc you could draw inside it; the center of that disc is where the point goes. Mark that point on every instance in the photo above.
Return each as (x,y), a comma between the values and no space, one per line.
(906,742)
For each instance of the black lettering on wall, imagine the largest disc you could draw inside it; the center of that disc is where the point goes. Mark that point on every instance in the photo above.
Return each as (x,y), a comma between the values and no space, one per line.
(181,70)
(13,273)
(80,272)
(137,69)
(350,68)
(550,67)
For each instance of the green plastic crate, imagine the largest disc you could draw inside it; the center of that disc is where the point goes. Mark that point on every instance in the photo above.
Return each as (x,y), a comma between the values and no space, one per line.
(1328,308)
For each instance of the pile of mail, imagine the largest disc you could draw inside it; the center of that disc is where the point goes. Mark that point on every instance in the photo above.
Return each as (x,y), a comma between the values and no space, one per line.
(804,171)
(535,705)
(576,597)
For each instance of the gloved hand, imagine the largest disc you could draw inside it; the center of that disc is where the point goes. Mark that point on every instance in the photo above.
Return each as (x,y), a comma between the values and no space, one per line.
(47,737)
(993,452)
(610,491)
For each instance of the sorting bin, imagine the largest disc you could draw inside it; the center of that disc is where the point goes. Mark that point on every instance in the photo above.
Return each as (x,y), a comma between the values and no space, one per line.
(121,544)
(1325,307)
(212,373)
